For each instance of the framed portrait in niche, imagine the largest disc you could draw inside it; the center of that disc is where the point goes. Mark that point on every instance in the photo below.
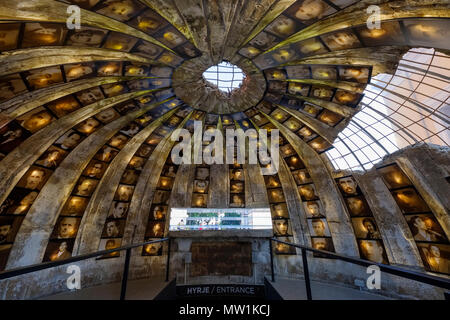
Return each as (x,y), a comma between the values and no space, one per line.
(279,211)
(19,201)
(69,140)
(237,200)
(372,250)
(85,4)
(366,228)
(66,228)
(155,229)
(141,84)
(118,141)
(272,181)
(152,249)
(199,200)
(130,176)
(348,186)
(308,192)
(329,117)
(325,244)
(287,150)
(88,126)
(108,115)
(133,69)
(106,154)
(282,227)
(149,22)
(85,187)
(307,12)
(4,254)
(163,130)
(294,163)
(166,183)
(75,206)
(410,201)
(158,212)
(52,157)
(86,37)
(237,187)
(318,227)
(347,98)
(11,136)
(279,115)
(320,145)
(281,248)
(110,68)
(263,41)
(108,244)
(436,257)
(275,74)
(169,59)
(314,209)
(301,176)
(170,171)
(114,89)
(36,119)
(237,174)
(201,186)
(298,72)
(283,26)
(147,49)
(9,34)
(341,40)
(10,86)
(264,61)
(42,78)
(427,32)
(124,193)
(394,177)
(309,47)
(122,10)
(90,96)
(323,72)
(306,133)
(250,52)
(323,93)
(425,227)
(357,206)
(161,197)
(59,250)
(276,195)
(79,71)
(63,106)
(283,55)
(38,34)
(354,74)
(9,226)
(170,37)
(201,173)
(137,163)
(277,86)
(113,228)
(95,169)
(293,124)
(34,178)
(118,210)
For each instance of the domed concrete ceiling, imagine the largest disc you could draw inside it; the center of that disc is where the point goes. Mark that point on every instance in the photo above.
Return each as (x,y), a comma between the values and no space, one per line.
(87,113)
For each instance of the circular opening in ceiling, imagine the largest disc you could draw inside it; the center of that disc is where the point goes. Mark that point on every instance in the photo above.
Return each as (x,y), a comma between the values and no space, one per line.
(225,76)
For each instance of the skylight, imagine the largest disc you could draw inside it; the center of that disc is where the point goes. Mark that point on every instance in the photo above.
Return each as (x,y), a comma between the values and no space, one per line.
(225,76)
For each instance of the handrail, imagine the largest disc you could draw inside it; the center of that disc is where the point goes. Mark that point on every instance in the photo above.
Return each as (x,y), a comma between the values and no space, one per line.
(46,265)
(409,274)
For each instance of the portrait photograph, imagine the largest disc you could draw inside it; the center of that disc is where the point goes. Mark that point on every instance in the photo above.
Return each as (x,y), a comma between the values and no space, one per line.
(90,96)
(275,74)
(154,140)
(149,50)
(357,206)
(309,11)
(114,89)
(152,249)
(318,227)
(166,183)
(11,136)
(410,201)
(272,181)
(263,41)
(19,201)
(118,210)
(294,163)
(237,187)
(113,228)
(348,98)
(348,186)
(149,22)
(199,200)
(170,59)
(113,68)
(88,126)
(85,187)
(8,228)
(429,33)
(106,154)
(130,176)
(283,27)
(319,144)
(279,115)
(281,227)
(162,197)
(124,192)
(59,250)
(86,37)
(341,40)
(394,177)
(36,119)
(425,227)
(281,248)
(95,169)
(329,117)
(314,209)
(306,133)
(107,116)
(75,206)
(52,157)
(64,106)
(237,201)
(324,72)
(201,186)
(43,34)
(69,140)
(85,4)
(250,52)
(4,254)
(155,229)
(42,78)
(118,141)
(324,93)
(66,228)
(309,47)
(158,212)
(137,163)
(10,86)
(170,37)
(279,210)
(366,228)
(287,150)
(298,72)
(276,195)
(354,74)
(308,192)
(302,176)
(122,10)
(79,71)
(325,244)
(135,70)
(372,250)
(34,178)
(436,257)
(202,173)
(9,33)
(109,244)
(293,124)
(277,86)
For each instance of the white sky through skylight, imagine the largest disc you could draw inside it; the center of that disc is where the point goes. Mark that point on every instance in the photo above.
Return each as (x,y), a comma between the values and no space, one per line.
(225,76)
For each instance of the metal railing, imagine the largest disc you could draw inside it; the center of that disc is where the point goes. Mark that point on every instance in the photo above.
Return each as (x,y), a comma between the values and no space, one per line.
(46,265)
(409,274)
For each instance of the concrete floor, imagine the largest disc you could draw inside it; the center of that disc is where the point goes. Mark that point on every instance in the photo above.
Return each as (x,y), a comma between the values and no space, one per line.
(144,289)
(293,289)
